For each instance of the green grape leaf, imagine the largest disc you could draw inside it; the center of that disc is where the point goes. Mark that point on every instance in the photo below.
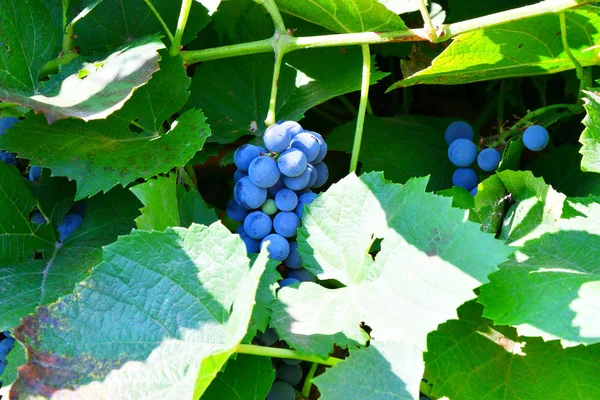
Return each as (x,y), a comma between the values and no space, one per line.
(490,202)
(54,195)
(247,377)
(345,16)
(551,287)
(19,237)
(517,48)
(566,176)
(28,40)
(402,147)
(115,22)
(590,138)
(394,372)
(470,359)
(538,206)
(421,273)
(266,294)
(92,90)
(223,88)
(185,295)
(511,156)
(33,282)
(169,204)
(14,360)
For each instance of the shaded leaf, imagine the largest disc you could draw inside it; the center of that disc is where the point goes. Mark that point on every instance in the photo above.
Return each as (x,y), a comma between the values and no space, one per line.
(247,377)
(590,138)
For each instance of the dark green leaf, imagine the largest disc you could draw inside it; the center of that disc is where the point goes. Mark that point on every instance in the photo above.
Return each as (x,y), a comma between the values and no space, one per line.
(245,378)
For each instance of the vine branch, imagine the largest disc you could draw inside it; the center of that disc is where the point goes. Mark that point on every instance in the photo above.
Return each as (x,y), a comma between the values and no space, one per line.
(362,108)
(308,381)
(283,353)
(427,20)
(184,13)
(160,20)
(273,11)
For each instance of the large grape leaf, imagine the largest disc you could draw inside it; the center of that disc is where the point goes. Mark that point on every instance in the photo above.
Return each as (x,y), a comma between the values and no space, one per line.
(417,280)
(245,378)
(524,47)
(55,196)
(566,176)
(115,22)
(33,282)
(402,147)
(387,362)
(345,15)
(590,138)
(551,287)
(169,204)
(224,88)
(161,314)
(101,154)
(470,359)
(19,238)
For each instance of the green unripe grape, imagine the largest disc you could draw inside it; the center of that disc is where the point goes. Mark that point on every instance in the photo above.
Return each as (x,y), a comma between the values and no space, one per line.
(269,207)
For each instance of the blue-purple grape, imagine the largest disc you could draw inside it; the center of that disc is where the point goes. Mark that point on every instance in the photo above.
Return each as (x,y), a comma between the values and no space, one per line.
(278,248)
(297,182)
(293,260)
(308,144)
(243,156)
(462,152)
(248,195)
(458,130)
(292,162)
(277,138)
(264,172)
(286,223)
(257,225)
(322,175)
(286,200)
(303,275)
(235,211)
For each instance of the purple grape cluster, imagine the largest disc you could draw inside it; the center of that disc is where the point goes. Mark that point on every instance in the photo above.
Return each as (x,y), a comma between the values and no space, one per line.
(273,184)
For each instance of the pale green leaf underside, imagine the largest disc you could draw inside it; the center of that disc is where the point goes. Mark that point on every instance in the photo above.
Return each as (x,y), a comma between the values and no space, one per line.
(525,47)
(171,292)
(590,138)
(344,16)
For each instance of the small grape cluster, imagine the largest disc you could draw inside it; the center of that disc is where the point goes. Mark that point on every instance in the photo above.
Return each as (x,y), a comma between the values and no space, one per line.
(462,152)
(272,185)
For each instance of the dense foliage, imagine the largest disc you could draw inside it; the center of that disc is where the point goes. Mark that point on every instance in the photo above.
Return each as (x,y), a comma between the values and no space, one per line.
(169,230)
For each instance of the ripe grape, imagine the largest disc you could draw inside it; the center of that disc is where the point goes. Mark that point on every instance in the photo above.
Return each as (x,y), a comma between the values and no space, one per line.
(287,282)
(239,174)
(458,130)
(322,175)
(465,178)
(293,259)
(277,138)
(281,391)
(252,245)
(286,223)
(35,173)
(292,127)
(298,182)
(308,144)
(257,225)
(489,159)
(68,225)
(279,248)
(235,211)
(474,191)
(8,158)
(273,190)
(269,207)
(263,172)
(292,162)
(322,148)
(248,195)
(291,361)
(306,198)
(244,155)
(291,374)
(269,337)
(286,200)
(7,123)
(303,275)
(313,175)
(462,152)
(536,138)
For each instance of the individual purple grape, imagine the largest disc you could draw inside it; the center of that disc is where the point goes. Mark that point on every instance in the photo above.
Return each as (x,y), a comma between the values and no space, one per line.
(248,195)
(313,175)
(269,337)
(7,123)
(303,275)
(291,361)
(536,138)
(474,191)
(239,174)
(244,155)
(257,225)
(488,159)
(286,223)
(322,149)
(298,182)
(286,200)
(281,391)
(308,144)
(68,225)
(291,374)
(264,172)
(252,245)
(235,211)
(8,158)
(306,198)
(292,162)
(458,130)
(322,175)
(462,152)
(279,248)
(293,260)
(273,190)
(35,173)
(287,282)
(292,127)
(465,178)
(277,138)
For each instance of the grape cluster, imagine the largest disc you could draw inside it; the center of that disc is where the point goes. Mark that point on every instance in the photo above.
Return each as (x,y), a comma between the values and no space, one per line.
(6,345)
(272,186)
(462,152)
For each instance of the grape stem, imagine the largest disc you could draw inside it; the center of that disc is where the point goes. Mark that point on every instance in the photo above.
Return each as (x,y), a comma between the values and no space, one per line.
(308,381)
(184,13)
(362,107)
(283,353)
(427,21)
(582,74)
(160,20)
(273,11)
